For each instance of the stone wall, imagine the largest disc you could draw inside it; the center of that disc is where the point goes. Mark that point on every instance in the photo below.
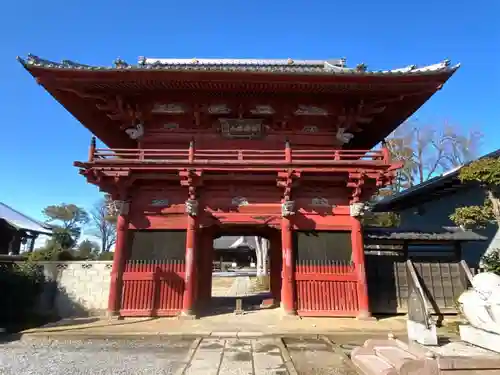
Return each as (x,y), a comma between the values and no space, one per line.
(75,288)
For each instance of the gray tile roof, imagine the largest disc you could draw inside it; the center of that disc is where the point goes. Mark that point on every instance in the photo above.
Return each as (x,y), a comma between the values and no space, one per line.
(229,242)
(286,66)
(445,234)
(21,221)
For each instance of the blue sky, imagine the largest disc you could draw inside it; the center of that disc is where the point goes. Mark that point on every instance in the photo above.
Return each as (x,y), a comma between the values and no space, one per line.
(40,139)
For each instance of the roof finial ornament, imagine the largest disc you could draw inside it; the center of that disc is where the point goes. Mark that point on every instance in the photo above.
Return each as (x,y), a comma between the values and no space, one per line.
(361,67)
(120,64)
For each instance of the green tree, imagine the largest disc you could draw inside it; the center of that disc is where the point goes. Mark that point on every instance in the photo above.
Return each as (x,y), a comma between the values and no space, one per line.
(103,220)
(66,221)
(486,173)
(87,250)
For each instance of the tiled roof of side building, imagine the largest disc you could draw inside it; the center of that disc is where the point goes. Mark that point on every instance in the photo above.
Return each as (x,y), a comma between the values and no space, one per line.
(407,197)
(445,234)
(21,221)
(283,66)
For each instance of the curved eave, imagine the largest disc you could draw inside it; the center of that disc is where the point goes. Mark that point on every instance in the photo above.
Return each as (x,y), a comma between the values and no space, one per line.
(54,76)
(229,72)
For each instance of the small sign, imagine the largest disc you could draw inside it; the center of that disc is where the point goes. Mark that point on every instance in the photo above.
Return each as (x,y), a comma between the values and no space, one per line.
(171,109)
(241,128)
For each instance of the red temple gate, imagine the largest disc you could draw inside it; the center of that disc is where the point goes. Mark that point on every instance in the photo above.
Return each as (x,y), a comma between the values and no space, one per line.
(201,146)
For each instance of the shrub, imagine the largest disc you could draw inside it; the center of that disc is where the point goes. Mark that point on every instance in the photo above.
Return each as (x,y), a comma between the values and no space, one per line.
(491,261)
(107,255)
(21,285)
(51,254)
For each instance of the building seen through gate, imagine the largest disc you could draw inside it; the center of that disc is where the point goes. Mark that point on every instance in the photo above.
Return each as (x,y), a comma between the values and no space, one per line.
(275,148)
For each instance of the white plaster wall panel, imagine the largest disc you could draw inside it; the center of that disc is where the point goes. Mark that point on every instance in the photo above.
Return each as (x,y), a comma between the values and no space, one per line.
(80,288)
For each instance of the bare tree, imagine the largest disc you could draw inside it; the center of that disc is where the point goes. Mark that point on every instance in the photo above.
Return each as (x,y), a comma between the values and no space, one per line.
(104,223)
(429,151)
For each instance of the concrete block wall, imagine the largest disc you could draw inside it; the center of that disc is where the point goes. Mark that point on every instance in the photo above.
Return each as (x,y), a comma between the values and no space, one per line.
(75,288)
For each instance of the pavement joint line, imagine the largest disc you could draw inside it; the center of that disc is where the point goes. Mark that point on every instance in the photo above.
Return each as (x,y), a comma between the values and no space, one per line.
(287,359)
(189,357)
(338,350)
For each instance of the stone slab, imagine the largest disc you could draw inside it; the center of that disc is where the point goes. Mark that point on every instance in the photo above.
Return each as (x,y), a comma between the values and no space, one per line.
(420,333)
(481,338)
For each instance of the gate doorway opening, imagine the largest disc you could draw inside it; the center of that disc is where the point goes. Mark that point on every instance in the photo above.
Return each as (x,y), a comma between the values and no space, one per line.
(241,269)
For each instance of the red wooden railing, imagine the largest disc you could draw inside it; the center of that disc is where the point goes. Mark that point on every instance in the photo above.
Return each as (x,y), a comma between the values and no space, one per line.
(327,288)
(190,155)
(152,288)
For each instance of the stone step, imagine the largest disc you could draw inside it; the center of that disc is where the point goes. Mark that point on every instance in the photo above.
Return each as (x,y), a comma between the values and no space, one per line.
(395,356)
(368,363)
(386,357)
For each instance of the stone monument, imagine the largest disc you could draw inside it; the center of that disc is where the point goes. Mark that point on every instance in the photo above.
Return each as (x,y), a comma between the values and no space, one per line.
(481,307)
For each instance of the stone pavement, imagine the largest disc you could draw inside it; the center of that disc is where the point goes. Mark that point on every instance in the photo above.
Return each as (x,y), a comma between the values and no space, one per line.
(237,356)
(241,287)
(255,323)
(200,356)
(238,286)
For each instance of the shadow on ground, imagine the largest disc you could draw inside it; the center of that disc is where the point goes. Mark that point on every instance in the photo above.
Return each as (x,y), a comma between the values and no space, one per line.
(225,305)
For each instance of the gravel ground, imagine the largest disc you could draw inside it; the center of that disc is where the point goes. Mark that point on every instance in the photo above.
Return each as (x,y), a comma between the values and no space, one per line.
(96,357)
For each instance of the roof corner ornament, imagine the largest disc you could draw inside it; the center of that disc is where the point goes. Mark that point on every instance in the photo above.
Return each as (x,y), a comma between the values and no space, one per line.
(343,137)
(135,132)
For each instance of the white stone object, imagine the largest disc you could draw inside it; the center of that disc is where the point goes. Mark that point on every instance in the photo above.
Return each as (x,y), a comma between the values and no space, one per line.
(420,333)
(481,305)
(480,337)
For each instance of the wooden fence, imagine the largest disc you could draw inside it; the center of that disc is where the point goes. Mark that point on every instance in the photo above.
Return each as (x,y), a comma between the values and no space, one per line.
(388,285)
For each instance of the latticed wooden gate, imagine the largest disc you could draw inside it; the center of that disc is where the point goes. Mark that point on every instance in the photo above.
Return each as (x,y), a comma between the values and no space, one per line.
(153,281)
(326,283)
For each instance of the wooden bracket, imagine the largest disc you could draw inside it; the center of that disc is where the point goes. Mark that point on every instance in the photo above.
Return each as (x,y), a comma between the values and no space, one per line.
(287,180)
(356,181)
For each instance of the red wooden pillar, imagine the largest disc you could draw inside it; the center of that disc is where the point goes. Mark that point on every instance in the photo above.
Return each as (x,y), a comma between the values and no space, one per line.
(190,271)
(358,257)
(288,281)
(119,259)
